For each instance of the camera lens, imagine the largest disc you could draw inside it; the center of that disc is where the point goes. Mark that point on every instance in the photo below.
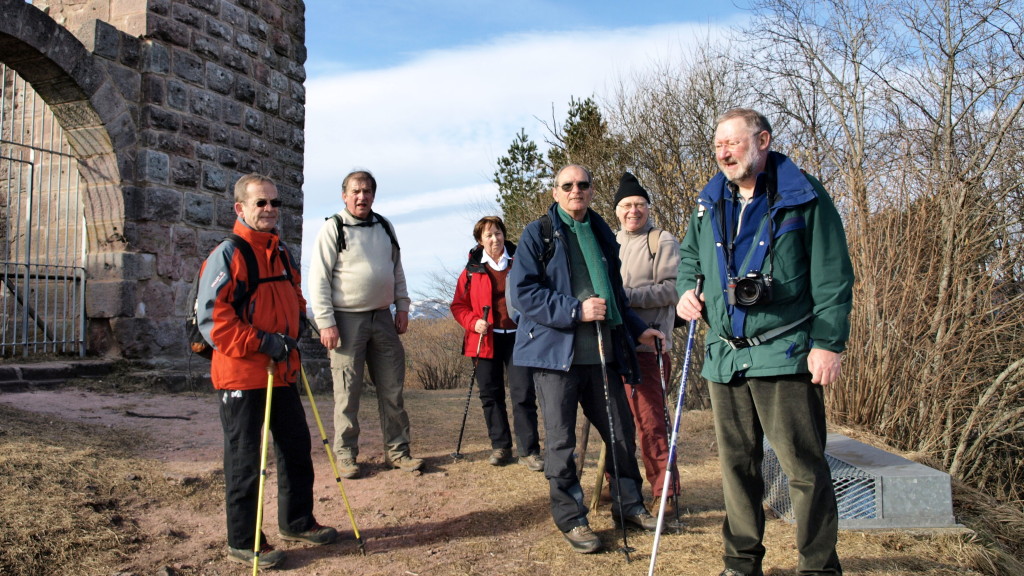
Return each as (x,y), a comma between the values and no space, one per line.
(748,292)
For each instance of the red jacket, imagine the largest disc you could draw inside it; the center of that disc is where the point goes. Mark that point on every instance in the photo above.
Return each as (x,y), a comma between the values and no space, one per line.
(472,293)
(276,306)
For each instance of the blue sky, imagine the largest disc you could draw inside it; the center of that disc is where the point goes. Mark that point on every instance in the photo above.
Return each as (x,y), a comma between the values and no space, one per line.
(428,94)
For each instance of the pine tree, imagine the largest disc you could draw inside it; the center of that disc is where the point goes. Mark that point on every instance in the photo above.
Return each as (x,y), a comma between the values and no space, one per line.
(585,139)
(523,185)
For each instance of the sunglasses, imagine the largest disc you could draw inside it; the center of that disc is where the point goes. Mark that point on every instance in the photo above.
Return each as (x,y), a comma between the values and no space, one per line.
(582,185)
(262,203)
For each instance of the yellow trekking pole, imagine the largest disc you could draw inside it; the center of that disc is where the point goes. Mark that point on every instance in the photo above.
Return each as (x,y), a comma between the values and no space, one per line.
(264,444)
(330,458)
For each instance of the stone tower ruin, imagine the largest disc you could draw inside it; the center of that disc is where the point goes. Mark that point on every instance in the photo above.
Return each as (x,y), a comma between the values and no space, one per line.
(164,104)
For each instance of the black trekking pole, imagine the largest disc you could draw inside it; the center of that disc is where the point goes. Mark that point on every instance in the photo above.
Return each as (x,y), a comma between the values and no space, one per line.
(611,437)
(680,402)
(469,395)
(670,463)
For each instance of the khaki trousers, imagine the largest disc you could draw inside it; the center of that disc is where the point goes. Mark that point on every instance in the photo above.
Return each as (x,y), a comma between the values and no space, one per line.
(369,339)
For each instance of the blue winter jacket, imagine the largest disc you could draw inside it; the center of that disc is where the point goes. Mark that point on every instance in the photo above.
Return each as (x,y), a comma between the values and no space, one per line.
(548,312)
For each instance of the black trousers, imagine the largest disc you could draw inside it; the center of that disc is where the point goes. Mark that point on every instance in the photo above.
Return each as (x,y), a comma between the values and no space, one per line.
(490,378)
(560,394)
(241,416)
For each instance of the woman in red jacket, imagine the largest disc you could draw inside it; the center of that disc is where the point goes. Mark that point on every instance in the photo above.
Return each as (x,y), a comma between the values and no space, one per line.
(481,284)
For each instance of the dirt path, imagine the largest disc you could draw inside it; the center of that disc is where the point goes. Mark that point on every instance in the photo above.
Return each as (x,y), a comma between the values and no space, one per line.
(462,517)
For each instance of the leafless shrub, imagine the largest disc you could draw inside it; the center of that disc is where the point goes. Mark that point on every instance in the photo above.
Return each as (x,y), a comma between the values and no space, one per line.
(434,349)
(912,115)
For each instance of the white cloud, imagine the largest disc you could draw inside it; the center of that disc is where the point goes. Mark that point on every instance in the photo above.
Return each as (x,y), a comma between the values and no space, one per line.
(432,130)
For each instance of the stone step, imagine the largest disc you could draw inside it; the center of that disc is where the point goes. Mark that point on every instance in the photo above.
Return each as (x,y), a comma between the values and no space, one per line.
(29,385)
(50,374)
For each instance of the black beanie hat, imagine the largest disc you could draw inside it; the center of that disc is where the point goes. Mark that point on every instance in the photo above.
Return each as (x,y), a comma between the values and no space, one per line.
(629,186)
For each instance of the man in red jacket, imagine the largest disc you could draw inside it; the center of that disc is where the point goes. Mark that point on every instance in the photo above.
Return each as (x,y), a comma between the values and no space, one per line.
(248,341)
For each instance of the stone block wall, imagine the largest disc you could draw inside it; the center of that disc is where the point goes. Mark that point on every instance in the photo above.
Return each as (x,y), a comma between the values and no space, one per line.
(213,89)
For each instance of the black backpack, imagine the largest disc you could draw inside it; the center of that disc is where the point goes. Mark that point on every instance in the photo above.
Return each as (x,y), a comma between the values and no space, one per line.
(197,343)
(374,219)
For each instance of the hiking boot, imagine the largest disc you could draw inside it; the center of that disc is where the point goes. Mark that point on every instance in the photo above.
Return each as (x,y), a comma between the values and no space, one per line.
(674,525)
(406,463)
(532,462)
(348,468)
(269,558)
(582,539)
(642,520)
(500,456)
(317,535)
(731,572)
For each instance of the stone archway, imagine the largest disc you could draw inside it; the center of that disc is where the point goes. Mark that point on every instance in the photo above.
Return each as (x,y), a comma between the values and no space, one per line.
(165,107)
(99,128)
(92,112)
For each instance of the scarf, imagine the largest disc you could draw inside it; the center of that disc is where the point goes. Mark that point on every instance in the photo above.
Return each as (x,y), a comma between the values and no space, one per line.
(596,264)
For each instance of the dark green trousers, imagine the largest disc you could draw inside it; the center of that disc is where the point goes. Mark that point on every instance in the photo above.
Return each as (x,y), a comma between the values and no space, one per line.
(790,412)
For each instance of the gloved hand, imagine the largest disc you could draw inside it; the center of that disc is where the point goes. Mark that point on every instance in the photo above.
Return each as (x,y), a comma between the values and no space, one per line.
(277,346)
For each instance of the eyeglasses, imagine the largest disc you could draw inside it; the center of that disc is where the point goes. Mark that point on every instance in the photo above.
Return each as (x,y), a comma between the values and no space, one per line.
(633,206)
(262,203)
(582,185)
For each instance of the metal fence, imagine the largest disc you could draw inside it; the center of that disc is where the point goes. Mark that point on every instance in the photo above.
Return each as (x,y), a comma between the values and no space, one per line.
(42,229)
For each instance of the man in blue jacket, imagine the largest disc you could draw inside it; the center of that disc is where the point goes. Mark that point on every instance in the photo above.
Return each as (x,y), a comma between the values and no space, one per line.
(563,281)
(779,290)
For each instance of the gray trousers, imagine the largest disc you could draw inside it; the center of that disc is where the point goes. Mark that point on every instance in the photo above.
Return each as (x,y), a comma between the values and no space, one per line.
(369,339)
(790,412)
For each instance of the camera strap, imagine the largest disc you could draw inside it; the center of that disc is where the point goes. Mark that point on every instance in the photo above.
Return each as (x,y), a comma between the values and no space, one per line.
(741,343)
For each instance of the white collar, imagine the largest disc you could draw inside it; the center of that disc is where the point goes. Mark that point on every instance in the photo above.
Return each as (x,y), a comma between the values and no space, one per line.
(502,262)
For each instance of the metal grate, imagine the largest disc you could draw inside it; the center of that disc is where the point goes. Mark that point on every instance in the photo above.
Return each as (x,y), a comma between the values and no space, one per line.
(858,493)
(874,489)
(42,228)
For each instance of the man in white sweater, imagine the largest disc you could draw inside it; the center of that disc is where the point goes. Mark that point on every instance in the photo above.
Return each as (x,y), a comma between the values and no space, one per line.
(355,276)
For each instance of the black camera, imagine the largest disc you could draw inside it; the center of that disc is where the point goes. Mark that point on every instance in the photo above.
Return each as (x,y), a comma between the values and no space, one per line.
(754,288)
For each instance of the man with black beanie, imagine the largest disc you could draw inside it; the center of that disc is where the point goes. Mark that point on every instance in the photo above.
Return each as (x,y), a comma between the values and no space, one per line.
(650,262)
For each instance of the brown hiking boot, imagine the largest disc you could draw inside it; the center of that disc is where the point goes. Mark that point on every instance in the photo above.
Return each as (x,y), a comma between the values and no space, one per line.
(582,539)
(406,463)
(500,457)
(269,557)
(643,520)
(348,468)
(532,462)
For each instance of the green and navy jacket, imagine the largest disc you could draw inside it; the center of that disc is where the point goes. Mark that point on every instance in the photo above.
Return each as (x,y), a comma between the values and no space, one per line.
(793,219)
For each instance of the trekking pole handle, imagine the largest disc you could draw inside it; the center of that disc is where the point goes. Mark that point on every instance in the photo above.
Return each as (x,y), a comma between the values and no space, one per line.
(657,341)
(487,311)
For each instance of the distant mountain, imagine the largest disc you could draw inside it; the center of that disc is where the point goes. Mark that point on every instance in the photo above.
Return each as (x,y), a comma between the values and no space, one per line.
(428,309)
(418,309)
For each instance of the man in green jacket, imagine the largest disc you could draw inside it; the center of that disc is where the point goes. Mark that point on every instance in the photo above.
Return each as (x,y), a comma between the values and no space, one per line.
(779,290)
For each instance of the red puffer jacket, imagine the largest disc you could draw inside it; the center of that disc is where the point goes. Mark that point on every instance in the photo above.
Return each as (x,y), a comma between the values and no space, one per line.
(472,293)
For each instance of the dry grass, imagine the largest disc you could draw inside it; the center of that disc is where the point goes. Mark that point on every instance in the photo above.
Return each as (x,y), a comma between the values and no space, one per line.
(78,500)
